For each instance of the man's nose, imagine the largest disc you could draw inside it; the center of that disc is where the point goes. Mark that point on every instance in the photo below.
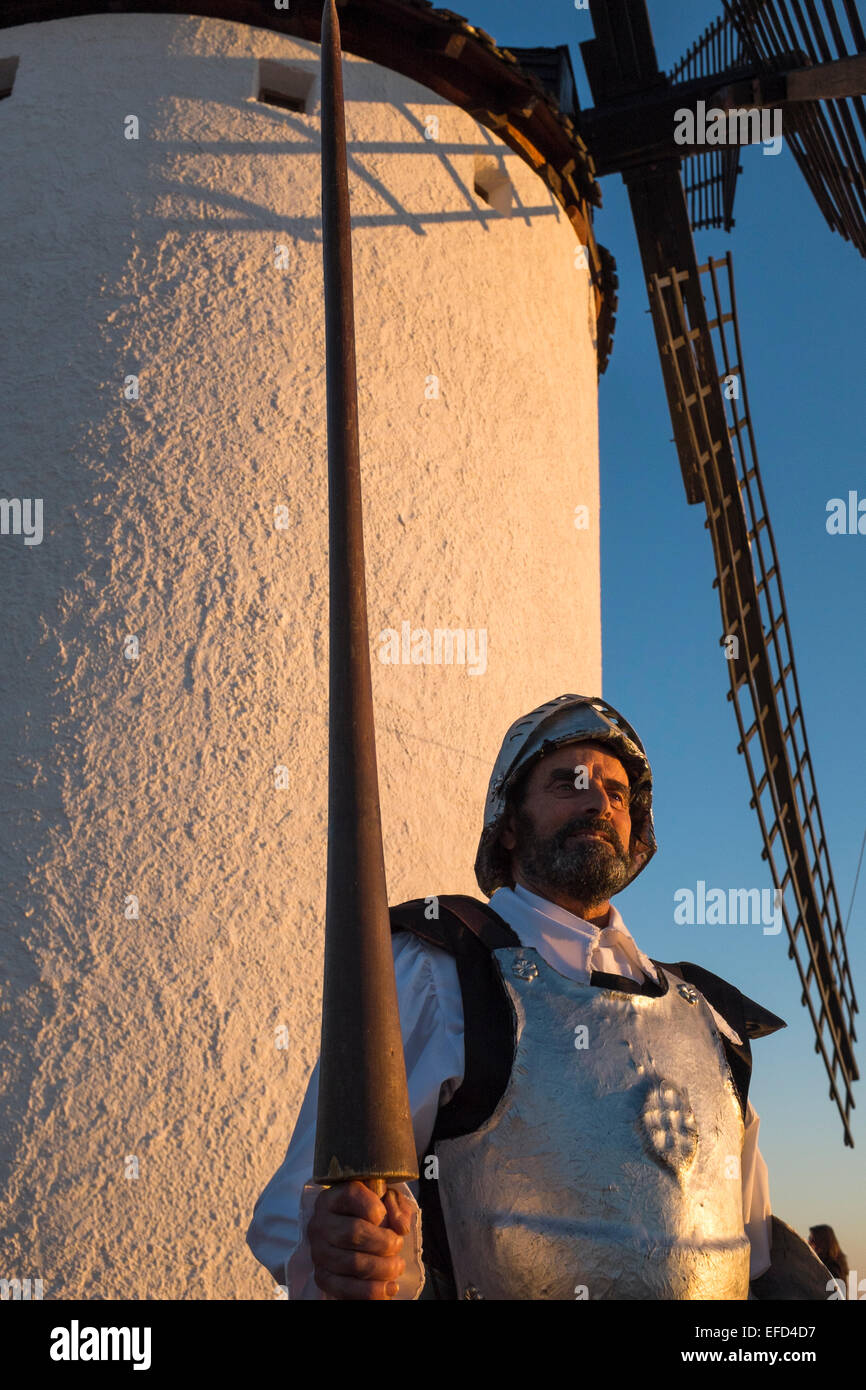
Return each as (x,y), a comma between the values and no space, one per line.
(595,798)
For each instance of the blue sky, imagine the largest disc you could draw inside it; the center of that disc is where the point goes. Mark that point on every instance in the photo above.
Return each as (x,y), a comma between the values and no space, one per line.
(801,293)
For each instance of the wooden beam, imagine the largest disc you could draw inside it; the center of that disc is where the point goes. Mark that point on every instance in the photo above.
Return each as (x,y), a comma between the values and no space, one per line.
(829,81)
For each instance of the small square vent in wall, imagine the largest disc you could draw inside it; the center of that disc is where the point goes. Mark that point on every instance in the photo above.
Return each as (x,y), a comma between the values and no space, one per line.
(8,69)
(494,186)
(285,86)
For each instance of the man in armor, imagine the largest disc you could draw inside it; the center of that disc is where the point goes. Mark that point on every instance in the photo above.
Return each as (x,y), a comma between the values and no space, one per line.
(581,1111)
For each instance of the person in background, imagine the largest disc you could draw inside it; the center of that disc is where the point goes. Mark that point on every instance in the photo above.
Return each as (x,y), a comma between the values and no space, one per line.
(823,1241)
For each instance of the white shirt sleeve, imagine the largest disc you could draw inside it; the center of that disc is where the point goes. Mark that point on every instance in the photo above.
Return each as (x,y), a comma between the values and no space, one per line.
(431,1022)
(756,1196)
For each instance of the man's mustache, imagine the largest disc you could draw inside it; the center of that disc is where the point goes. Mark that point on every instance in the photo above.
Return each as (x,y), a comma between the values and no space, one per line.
(597,828)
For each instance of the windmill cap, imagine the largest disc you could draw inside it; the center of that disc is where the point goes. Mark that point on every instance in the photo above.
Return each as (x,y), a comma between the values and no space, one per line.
(567,719)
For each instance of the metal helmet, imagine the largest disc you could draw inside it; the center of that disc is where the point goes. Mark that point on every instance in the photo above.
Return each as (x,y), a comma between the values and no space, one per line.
(567,719)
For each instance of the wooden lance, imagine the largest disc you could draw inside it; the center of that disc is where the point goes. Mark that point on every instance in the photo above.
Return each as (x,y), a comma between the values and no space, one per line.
(364,1126)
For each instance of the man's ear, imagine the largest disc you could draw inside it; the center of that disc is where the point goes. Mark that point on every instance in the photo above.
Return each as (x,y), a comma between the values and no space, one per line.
(508,835)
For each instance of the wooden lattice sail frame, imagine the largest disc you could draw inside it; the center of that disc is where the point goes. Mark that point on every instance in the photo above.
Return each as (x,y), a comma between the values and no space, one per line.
(718,458)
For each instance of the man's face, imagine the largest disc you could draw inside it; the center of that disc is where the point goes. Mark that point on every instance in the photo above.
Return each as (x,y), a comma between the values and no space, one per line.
(574,838)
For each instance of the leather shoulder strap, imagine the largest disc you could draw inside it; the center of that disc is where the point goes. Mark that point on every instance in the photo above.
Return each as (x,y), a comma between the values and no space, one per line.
(465,922)
(470,930)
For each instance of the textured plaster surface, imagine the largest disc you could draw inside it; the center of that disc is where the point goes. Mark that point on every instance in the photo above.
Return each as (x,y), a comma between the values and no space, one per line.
(148,1043)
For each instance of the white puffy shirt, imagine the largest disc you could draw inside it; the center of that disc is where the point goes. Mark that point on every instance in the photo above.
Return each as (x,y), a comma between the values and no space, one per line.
(431,1019)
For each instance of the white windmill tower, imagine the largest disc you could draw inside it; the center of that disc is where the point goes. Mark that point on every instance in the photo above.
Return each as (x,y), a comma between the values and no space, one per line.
(164,513)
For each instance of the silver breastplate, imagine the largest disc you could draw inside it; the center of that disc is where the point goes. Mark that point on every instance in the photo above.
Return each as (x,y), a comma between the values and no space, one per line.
(611,1167)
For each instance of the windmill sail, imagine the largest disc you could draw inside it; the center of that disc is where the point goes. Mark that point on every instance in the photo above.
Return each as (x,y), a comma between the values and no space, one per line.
(710,177)
(629,130)
(764,689)
(825,135)
(814,70)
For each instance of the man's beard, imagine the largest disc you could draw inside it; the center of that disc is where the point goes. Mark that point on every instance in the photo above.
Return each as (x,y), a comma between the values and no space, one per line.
(591,872)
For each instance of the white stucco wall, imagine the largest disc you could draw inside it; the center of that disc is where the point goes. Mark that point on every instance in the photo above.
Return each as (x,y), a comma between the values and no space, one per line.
(153,1037)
